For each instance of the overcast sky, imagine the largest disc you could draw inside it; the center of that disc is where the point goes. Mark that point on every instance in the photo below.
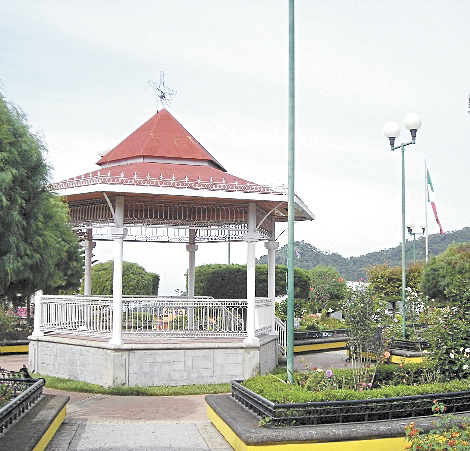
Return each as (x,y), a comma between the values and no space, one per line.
(80,71)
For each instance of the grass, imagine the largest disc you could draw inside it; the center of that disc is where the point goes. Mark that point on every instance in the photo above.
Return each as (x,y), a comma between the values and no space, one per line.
(277,391)
(164,390)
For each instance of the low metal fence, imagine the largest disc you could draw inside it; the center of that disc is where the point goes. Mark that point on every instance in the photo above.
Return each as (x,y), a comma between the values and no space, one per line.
(351,411)
(23,392)
(164,316)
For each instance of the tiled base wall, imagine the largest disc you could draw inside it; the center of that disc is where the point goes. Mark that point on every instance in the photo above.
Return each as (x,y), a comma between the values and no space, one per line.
(182,364)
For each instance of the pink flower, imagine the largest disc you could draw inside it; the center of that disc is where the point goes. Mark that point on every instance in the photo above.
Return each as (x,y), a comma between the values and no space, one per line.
(328,373)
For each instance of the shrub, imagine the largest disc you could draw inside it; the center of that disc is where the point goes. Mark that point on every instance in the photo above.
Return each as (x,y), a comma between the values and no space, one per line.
(448,433)
(320,321)
(449,338)
(277,390)
(10,321)
(365,318)
(5,394)
(299,309)
(229,281)
(135,280)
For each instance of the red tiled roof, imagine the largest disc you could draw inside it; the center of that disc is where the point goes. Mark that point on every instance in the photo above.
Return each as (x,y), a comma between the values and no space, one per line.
(162,136)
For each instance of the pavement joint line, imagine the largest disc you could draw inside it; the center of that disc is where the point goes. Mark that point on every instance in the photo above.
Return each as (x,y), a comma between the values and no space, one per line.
(88,400)
(137,422)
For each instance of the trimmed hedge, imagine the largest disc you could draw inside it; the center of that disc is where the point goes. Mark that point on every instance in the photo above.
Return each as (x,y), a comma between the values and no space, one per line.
(276,390)
(229,281)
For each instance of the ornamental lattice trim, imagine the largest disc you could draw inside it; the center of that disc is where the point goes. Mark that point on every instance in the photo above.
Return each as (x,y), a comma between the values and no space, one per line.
(166,183)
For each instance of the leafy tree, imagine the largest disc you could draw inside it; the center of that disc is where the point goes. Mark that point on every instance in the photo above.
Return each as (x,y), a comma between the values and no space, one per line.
(37,250)
(446,277)
(386,280)
(327,289)
(229,281)
(308,256)
(135,280)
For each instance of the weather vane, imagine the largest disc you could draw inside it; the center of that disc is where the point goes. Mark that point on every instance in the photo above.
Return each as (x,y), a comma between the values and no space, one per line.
(164,93)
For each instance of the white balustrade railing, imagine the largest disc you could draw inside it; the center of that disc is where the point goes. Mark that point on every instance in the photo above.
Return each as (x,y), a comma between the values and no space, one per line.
(171,316)
(281,329)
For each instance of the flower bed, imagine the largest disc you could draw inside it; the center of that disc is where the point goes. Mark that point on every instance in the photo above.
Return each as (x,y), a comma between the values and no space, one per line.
(350,411)
(314,334)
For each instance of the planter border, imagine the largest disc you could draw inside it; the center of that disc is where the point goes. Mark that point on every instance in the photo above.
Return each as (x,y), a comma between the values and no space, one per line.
(31,393)
(343,412)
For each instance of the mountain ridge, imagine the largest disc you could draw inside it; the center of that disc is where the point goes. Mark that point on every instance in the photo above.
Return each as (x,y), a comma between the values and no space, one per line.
(307,256)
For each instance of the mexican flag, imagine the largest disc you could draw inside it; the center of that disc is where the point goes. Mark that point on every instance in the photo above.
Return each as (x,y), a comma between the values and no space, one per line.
(430,191)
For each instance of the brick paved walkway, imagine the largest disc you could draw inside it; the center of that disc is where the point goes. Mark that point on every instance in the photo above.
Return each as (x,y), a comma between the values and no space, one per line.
(146,423)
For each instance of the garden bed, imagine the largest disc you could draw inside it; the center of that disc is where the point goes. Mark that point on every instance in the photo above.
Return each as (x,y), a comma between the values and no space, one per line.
(315,334)
(350,411)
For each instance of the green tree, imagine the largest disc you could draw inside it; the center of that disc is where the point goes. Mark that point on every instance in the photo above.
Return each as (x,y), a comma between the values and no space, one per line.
(327,289)
(386,280)
(446,277)
(38,251)
(135,280)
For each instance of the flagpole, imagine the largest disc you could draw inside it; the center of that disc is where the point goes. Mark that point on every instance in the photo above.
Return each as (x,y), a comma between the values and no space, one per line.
(426,197)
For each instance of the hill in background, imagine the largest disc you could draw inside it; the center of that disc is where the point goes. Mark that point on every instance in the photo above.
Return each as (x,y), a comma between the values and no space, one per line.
(308,256)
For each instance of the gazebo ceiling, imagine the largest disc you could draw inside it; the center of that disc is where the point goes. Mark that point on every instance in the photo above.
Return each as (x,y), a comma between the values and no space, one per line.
(161,167)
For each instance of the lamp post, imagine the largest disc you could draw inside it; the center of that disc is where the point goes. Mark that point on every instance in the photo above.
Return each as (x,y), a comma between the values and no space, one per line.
(392,130)
(411,228)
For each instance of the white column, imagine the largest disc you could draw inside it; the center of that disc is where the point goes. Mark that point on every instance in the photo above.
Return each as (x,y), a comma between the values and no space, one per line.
(271,246)
(88,246)
(251,238)
(37,315)
(118,234)
(191,248)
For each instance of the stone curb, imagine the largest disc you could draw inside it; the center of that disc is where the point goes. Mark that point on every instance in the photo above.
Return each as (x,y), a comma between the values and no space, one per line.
(245,425)
(36,428)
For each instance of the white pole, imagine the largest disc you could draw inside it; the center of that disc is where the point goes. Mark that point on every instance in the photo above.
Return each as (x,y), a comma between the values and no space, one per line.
(88,246)
(191,248)
(271,246)
(37,315)
(251,237)
(118,234)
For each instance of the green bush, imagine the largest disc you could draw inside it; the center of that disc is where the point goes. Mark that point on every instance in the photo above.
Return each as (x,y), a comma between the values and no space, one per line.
(10,321)
(229,281)
(300,309)
(448,433)
(277,390)
(320,322)
(5,394)
(135,280)
(449,338)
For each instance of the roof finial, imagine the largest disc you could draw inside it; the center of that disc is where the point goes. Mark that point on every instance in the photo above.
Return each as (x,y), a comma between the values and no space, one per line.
(164,93)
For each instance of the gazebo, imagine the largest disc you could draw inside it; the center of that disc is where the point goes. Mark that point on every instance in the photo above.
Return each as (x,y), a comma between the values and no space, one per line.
(161,185)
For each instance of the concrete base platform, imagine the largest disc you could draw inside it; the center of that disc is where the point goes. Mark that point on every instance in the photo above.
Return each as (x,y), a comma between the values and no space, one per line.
(141,362)
(242,431)
(35,429)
